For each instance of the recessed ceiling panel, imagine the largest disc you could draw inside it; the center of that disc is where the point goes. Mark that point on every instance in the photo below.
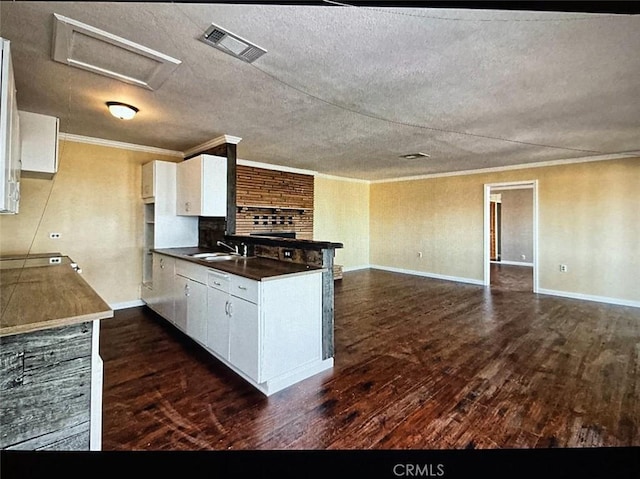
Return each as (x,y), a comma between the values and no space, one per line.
(83,46)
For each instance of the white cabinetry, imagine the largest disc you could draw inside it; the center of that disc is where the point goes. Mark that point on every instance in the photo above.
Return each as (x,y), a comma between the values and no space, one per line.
(234,321)
(162,227)
(190,293)
(244,337)
(202,186)
(269,331)
(161,297)
(39,145)
(10,142)
(218,313)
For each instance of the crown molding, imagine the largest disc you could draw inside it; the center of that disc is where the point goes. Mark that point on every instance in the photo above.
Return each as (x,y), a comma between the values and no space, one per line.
(118,144)
(221,140)
(342,178)
(524,166)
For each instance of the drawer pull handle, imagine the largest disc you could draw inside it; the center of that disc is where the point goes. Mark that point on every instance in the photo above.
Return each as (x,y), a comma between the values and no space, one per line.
(217,284)
(242,287)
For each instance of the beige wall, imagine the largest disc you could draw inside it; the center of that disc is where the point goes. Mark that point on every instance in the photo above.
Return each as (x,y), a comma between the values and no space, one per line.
(95,205)
(589,219)
(341,214)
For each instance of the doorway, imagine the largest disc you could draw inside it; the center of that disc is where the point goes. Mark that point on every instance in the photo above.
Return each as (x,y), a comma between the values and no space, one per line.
(511,235)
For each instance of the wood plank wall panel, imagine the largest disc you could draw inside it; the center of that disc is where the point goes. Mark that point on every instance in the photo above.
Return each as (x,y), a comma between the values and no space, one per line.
(271,200)
(45,379)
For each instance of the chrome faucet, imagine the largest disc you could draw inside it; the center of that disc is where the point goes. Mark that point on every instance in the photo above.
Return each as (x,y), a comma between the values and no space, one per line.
(232,248)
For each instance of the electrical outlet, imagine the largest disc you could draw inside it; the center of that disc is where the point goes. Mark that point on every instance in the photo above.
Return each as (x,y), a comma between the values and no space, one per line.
(54,235)
(287,253)
(55,260)
(563,268)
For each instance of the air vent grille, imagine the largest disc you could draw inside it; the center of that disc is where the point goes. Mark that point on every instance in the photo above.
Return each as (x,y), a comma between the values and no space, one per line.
(232,44)
(215,35)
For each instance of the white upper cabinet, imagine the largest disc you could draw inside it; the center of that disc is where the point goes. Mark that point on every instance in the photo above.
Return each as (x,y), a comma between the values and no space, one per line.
(9,135)
(39,144)
(202,186)
(148,181)
(165,228)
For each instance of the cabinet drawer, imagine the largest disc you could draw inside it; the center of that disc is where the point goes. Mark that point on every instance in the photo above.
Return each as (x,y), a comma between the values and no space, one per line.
(192,271)
(218,280)
(245,288)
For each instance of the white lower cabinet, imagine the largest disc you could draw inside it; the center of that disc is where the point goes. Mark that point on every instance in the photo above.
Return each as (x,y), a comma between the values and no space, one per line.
(244,337)
(218,314)
(269,332)
(161,298)
(191,307)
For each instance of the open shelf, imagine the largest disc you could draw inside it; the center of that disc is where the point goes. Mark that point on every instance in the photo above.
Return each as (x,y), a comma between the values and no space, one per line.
(272,208)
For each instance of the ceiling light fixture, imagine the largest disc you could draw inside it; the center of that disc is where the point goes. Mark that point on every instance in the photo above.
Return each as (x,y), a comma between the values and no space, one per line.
(414,156)
(122,110)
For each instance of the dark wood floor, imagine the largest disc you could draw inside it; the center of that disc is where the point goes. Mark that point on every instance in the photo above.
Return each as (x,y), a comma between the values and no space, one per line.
(419,364)
(508,277)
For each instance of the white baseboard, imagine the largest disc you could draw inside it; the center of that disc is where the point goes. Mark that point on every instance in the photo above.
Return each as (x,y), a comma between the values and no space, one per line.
(589,297)
(127,304)
(513,263)
(457,279)
(356,268)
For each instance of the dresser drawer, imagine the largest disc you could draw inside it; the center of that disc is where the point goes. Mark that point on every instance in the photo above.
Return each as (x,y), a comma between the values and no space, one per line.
(245,288)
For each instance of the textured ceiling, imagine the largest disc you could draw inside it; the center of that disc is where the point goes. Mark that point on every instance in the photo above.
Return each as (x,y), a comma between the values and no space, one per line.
(347,90)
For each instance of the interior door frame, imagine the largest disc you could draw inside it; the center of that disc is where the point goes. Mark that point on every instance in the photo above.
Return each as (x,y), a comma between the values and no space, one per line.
(511,185)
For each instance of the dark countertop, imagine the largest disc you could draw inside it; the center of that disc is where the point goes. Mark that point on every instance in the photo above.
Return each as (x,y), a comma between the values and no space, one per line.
(36,295)
(285,242)
(252,267)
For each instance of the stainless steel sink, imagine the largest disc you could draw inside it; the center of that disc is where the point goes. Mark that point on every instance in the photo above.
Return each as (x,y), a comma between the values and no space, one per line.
(222,257)
(214,256)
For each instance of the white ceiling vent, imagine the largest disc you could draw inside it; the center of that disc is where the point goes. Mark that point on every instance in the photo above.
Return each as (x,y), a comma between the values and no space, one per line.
(83,46)
(232,44)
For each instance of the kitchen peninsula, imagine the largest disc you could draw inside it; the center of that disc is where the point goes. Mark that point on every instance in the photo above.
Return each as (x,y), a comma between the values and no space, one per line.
(259,316)
(305,252)
(50,368)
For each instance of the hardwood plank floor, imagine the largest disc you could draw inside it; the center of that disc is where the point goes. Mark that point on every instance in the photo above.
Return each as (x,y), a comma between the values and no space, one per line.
(508,277)
(419,364)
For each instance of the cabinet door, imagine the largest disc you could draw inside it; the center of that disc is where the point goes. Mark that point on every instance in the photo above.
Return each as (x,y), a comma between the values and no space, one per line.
(153,296)
(189,187)
(181,308)
(191,308)
(214,186)
(148,189)
(244,334)
(39,144)
(10,144)
(163,286)
(197,311)
(218,321)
